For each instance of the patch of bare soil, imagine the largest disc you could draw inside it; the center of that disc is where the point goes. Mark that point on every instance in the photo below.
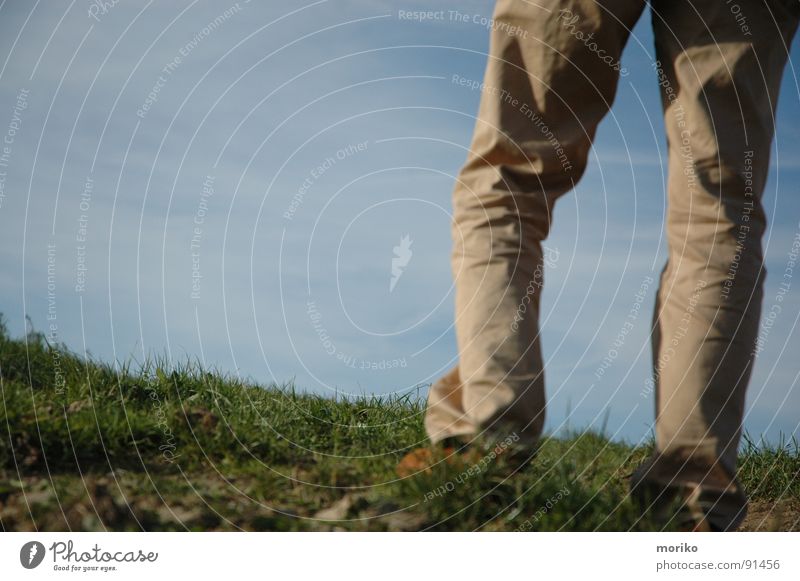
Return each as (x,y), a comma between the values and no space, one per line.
(781,515)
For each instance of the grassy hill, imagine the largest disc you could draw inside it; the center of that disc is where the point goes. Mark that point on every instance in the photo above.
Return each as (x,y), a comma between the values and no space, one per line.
(89,446)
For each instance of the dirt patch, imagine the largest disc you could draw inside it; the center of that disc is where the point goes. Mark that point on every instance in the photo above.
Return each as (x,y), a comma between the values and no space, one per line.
(781,515)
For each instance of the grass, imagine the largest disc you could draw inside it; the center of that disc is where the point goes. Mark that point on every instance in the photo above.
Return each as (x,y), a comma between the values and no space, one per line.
(89,446)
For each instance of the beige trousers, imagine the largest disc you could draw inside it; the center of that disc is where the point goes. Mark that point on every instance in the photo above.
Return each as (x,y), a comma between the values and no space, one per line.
(551,77)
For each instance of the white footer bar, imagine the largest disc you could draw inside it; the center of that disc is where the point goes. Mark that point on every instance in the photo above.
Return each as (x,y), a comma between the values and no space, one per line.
(399,556)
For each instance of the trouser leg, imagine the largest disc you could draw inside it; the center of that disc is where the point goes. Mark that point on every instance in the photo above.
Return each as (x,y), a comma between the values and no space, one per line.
(551,77)
(720,92)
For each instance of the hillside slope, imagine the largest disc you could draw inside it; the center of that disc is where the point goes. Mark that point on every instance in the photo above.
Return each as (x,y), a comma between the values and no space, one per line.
(89,446)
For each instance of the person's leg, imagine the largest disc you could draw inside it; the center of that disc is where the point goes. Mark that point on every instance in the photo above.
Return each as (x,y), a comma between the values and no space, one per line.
(720,90)
(551,77)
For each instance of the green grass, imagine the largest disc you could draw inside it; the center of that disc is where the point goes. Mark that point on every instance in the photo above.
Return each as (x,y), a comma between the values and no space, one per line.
(90,446)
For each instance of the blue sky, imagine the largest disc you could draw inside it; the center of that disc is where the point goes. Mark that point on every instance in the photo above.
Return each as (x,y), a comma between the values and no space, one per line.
(296,145)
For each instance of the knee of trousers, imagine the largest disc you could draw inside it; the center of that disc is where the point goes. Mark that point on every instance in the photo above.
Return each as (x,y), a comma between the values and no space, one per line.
(716,216)
(511,188)
(524,155)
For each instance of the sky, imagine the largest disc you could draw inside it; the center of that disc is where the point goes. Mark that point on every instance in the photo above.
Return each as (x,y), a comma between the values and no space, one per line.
(226,183)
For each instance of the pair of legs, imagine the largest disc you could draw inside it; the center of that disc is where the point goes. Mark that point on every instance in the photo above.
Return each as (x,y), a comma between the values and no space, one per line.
(551,77)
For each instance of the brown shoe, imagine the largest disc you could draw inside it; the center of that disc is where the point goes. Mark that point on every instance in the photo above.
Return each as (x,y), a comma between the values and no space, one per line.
(450,451)
(694,494)
(455,453)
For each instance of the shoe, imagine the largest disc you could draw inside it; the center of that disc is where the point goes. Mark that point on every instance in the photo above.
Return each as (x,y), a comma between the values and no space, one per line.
(694,494)
(451,451)
(456,453)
